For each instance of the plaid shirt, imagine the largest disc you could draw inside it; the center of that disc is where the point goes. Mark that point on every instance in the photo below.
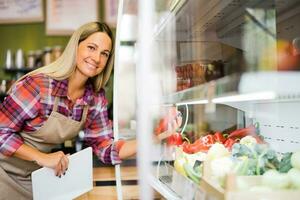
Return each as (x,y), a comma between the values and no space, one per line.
(30,103)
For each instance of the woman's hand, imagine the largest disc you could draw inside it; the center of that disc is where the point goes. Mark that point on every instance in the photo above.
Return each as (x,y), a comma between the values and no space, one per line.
(57,161)
(172,127)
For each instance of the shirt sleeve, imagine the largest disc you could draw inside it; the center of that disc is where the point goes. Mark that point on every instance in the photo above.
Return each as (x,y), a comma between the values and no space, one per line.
(20,105)
(99,135)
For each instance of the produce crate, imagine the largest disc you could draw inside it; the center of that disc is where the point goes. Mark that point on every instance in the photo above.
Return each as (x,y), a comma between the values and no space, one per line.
(233,193)
(232,189)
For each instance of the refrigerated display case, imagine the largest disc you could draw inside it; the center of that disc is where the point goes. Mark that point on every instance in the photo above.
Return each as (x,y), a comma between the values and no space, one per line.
(227,66)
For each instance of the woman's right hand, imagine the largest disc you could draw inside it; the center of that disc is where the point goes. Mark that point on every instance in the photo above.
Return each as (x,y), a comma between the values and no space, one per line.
(172,127)
(57,161)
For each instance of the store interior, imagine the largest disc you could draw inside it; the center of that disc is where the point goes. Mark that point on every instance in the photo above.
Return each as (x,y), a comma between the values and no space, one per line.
(229,69)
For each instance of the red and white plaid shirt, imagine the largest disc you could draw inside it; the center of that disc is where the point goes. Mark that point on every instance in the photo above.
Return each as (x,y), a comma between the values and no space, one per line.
(30,103)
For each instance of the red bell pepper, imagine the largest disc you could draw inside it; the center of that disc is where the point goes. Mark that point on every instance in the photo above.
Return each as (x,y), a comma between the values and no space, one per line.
(202,144)
(189,148)
(242,132)
(250,130)
(208,140)
(174,139)
(195,147)
(218,137)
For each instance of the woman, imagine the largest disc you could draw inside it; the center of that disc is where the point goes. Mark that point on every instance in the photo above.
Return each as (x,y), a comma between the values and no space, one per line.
(51,105)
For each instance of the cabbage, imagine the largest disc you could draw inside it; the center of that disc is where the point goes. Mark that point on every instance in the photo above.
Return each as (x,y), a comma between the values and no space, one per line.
(249,141)
(217,150)
(220,168)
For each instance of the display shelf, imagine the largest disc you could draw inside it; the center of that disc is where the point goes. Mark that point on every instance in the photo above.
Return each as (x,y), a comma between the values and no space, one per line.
(165,18)
(246,37)
(200,93)
(162,152)
(221,17)
(164,190)
(283,83)
(172,185)
(251,87)
(189,13)
(161,180)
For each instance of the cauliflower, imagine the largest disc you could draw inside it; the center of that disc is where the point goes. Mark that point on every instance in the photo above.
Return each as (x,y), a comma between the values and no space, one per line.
(217,150)
(220,168)
(249,141)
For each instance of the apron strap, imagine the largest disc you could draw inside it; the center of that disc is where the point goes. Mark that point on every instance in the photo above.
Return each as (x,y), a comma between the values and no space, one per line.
(55,106)
(84,113)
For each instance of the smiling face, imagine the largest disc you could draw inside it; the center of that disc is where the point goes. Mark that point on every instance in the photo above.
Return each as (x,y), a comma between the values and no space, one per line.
(93,54)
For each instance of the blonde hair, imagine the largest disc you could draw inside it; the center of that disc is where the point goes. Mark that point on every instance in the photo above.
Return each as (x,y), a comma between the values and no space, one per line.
(65,65)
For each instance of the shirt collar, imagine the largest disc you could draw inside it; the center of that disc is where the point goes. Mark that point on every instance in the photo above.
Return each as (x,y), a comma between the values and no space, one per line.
(60,88)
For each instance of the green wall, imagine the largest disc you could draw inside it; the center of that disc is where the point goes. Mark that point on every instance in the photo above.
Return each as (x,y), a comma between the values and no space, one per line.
(27,37)
(30,36)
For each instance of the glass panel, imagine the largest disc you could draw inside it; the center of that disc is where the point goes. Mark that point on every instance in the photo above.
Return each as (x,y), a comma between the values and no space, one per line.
(125,71)
(125,93)
(208,41)
(223,66)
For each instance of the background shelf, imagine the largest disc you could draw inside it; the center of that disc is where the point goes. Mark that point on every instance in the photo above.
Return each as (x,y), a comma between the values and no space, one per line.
(18,70)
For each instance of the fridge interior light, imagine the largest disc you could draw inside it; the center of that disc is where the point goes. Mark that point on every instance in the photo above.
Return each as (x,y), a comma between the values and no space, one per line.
(203,101)
(267,95)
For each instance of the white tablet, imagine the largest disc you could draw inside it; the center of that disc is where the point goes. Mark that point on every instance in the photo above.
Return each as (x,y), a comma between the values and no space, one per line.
(77,180)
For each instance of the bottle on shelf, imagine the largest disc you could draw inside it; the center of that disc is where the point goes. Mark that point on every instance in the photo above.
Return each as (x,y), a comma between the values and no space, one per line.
(30,59)
(38,58)
(56,52)
(47,56)
(19,62)
(3,87)
(8,59)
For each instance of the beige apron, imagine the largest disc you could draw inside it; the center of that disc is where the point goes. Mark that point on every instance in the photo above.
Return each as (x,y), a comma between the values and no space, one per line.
(15,173)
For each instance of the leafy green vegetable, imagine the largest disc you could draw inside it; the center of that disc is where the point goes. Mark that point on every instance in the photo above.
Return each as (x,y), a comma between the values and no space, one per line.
(260,159)
(285,163)
(191,173)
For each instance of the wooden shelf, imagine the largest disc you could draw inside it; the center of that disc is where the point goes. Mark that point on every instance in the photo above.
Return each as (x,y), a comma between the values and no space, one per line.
(108,173)
(110,193)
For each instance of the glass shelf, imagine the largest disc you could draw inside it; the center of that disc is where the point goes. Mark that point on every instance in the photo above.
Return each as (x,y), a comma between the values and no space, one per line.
(172,185)
(248,87)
